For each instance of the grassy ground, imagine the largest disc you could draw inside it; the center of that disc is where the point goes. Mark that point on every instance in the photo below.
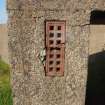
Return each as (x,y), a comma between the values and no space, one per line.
(5,89)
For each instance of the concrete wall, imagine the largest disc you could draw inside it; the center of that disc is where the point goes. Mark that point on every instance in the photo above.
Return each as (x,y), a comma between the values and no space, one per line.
(4,42)
(96,39)
(26,41)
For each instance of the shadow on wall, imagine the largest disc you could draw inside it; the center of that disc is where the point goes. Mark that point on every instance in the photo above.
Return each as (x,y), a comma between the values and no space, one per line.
(95,94)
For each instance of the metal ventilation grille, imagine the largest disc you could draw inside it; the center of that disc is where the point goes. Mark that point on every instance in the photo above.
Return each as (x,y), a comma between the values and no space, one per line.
(55,48)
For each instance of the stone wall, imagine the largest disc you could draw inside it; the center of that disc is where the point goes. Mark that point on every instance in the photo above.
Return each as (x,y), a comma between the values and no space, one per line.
(26,41)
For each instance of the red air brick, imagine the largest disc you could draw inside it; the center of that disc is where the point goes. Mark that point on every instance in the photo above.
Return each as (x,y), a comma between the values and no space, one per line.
(55,48)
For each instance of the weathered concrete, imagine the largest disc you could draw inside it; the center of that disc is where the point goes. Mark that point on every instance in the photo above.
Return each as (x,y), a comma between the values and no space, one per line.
(97,39)
(26,40)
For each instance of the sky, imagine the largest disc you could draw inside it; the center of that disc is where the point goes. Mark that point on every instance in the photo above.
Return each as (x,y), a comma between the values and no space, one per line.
(3,12)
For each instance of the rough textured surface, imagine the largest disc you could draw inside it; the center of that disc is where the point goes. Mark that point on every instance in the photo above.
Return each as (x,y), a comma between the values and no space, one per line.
(26,40)
(96,39)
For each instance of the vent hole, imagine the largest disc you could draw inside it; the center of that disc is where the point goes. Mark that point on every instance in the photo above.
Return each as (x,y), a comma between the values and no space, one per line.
(58,34)
(51,69)
(58,55)
(51,27)
(58,62)
(51,49)
(51,35)
(51,41)
(51,55)
(58,41)
(57,69)
(58,49)
(59,27)
(51,62)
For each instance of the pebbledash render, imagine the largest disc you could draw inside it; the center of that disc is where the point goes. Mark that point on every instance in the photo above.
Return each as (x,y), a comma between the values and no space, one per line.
(26,31)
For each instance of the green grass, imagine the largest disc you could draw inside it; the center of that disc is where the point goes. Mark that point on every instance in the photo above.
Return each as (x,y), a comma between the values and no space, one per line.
(5,88)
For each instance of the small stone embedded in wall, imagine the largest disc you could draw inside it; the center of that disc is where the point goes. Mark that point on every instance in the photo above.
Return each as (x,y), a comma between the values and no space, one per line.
(42,56)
